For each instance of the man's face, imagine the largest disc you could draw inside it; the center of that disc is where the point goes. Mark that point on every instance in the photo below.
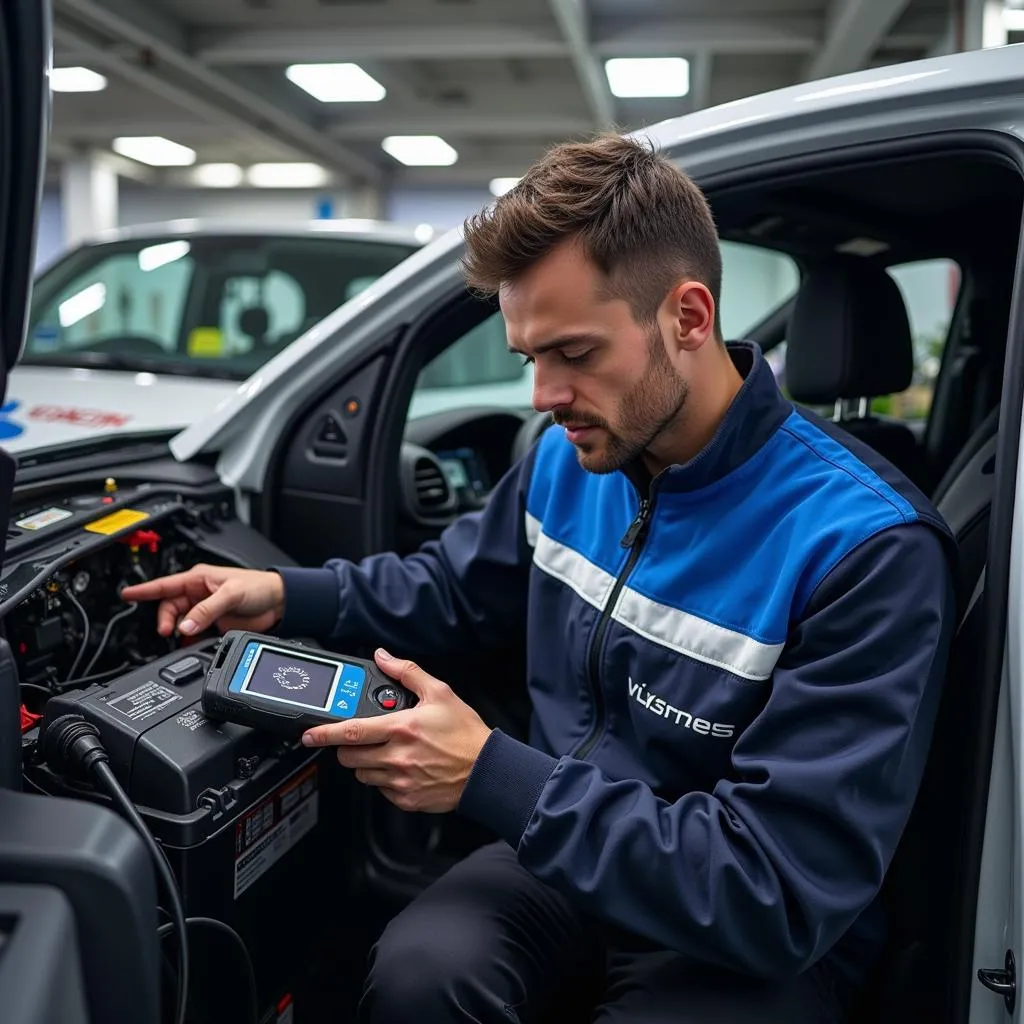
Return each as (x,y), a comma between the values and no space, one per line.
(607,379)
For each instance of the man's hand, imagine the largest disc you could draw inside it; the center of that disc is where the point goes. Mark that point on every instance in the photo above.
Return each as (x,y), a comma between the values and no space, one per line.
(209,595)
(419,758)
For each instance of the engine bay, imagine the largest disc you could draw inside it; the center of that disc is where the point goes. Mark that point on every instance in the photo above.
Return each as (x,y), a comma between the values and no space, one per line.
(68,559)
(244,819)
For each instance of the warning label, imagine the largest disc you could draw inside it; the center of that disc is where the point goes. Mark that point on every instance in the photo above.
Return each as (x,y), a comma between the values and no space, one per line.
(144,701)
(273,827)
(192,720)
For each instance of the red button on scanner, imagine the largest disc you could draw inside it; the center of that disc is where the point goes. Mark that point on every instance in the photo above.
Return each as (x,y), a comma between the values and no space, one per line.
(387,698)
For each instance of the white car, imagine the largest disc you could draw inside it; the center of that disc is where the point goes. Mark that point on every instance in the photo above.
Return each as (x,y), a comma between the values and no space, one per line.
(149,328)
(322,452)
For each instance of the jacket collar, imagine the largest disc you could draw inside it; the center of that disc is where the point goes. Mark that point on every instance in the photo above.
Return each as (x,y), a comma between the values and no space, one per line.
(757,411)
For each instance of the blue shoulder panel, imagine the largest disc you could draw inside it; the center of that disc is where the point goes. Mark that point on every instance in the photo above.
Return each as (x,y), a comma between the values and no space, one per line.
(748,552)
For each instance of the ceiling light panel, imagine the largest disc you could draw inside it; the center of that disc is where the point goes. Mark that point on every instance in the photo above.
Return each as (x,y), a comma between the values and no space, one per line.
(336,83)
(420,150)
(284,175)
(76,80)
(632,77)
(155,151)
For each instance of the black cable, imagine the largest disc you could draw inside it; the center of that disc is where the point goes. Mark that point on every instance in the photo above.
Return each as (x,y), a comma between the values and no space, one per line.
(110,785)
(250,973)
(114,619)
(85,631)
(97,678)
(36,686)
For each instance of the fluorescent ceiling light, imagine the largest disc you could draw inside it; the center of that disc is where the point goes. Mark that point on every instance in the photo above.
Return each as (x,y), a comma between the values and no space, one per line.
(287,175)
(420,150)
(154,256)
(499,186)
(648,76)
(337,83)
(82,304)
(76,80)
(1013,19)
(155,151)
(218,175)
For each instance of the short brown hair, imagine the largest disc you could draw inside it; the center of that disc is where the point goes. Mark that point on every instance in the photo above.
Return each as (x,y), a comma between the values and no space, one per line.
(642,221)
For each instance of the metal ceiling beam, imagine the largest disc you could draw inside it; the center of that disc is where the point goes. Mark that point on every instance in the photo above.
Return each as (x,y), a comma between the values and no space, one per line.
(572,21)
(854,30)
(700,80)
(671,37)
(199,88)
(607,38)
(441,42)
(456,125)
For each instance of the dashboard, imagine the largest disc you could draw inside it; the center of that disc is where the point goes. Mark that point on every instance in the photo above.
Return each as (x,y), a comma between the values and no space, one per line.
(451,461)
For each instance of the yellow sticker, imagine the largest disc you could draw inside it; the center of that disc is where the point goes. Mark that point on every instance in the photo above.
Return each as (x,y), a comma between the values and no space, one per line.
(205,341)
(116,521)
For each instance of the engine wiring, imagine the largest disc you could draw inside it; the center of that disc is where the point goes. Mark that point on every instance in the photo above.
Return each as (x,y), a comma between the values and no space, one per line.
(67,592)
(114,619)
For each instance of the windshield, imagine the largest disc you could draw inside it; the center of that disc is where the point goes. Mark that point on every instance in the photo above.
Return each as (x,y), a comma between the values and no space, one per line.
(200,306)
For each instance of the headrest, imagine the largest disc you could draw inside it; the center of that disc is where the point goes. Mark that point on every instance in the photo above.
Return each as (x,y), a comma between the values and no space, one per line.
(848,336)
(254,321)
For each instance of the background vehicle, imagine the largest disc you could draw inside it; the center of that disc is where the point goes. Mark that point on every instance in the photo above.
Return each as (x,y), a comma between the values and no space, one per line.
(152,327)
(317,455)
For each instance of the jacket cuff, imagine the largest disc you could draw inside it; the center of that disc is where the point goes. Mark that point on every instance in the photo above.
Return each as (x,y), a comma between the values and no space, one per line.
(504,786)
(311,602)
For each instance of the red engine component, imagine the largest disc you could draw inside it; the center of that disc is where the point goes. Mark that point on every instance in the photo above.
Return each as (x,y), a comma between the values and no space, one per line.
(148,539)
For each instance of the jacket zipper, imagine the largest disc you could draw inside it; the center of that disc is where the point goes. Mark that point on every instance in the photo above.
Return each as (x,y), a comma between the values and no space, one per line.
(633,539)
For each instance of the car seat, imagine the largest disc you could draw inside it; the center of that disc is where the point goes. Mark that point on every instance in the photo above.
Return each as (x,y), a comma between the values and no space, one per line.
(848,342)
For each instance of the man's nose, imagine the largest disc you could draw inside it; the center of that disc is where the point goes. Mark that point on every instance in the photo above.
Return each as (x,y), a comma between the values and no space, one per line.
(550,392)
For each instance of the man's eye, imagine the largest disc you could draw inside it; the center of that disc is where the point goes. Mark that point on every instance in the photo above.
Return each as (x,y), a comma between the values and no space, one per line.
(527,360)
(576,360)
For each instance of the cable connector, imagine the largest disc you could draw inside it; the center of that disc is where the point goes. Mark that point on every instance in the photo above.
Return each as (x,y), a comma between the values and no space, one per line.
(72,746)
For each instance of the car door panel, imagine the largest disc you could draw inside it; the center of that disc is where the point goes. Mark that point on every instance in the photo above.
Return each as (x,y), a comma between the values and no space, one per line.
(319,507)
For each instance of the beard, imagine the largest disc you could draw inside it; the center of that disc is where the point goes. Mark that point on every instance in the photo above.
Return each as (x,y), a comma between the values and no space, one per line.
(645,411)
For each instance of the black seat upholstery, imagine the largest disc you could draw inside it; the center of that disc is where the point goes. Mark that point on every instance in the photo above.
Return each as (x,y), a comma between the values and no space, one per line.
(849,341)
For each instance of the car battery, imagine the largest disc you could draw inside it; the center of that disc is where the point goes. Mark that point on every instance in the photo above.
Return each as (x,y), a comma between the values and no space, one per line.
(252,827)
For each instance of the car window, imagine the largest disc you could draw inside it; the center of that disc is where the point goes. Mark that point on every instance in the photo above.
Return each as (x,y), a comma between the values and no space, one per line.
(132,295)
(478,369)
(929,289)
(755,283)
(207,305)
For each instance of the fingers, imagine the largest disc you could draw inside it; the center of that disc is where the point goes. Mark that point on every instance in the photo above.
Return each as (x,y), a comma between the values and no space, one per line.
(408,673)
(358,732)
(382,778)
(204,614)
(168,614)
(163,587)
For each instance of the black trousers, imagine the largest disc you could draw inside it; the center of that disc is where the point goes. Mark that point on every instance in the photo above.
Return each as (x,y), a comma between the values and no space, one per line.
(489,942)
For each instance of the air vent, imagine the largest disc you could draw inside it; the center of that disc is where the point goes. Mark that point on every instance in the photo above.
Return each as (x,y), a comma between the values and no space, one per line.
(432,492)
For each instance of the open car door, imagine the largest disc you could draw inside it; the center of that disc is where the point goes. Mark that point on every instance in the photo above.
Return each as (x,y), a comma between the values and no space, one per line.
(24,122)
(75,900)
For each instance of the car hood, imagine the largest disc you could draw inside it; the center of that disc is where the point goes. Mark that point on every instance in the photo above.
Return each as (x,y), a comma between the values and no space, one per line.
(49,405)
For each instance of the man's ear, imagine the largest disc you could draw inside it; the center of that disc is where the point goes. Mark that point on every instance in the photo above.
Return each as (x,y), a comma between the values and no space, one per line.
(689,315)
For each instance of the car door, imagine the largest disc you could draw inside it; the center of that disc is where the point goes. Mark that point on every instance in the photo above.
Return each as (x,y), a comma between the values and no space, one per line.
(998,939)
(24,118)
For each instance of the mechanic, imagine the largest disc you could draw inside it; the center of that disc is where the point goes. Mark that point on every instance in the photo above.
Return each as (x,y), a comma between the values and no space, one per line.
(737,622)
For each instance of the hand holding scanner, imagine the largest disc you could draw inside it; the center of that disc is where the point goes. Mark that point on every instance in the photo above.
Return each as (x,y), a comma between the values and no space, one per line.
(287,687)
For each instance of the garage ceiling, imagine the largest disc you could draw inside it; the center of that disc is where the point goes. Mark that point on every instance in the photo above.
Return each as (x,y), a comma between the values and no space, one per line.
(499,80)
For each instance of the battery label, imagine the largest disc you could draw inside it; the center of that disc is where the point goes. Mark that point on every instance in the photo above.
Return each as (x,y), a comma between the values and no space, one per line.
(144,701)
(273,827)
